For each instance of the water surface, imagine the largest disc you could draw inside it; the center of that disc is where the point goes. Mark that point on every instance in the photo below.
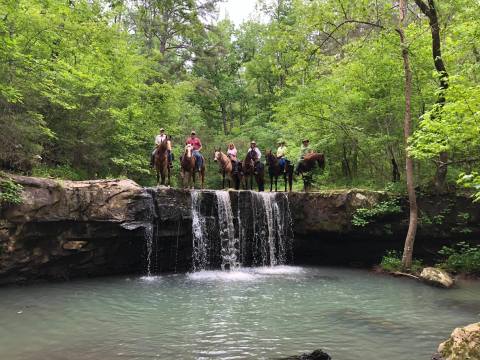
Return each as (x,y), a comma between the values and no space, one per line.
(251,314)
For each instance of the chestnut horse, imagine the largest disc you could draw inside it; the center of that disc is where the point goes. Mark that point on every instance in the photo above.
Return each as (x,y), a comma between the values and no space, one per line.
(161,163)
(227,168)
(189,168)
(308,164)
(252,168)
(274,170)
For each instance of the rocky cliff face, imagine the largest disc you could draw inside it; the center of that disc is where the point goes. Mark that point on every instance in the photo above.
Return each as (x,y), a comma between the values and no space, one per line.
(67,229)
(64,229)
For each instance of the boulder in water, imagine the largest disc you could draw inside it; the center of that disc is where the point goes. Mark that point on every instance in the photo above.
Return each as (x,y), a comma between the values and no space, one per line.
(315,355)
(463,344)
(437,277)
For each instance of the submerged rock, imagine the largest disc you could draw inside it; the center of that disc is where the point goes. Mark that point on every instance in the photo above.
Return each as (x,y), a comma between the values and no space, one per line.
(463,344)
(437,277)
(315,355)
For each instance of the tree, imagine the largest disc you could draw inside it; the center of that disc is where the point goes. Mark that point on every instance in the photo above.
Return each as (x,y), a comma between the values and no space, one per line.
(412,226)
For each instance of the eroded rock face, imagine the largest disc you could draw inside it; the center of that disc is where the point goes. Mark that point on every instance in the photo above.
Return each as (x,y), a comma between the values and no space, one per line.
(437,277)
(463,344)
(66,228)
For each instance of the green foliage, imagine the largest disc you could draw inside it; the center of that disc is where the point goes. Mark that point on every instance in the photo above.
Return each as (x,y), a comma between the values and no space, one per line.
(471,181)
(85,86)
(363,216)
(10,192)
(65,172)
(461,258)
(392,262)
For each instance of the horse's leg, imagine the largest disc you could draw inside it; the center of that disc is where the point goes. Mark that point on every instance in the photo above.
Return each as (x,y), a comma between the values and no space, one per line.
(276,183)
(203,178)
(168,175)
(193,178)
(271,182)
(158,177)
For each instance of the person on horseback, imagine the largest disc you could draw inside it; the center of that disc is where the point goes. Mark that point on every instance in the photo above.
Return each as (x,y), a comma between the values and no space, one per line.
(197,147)
(282,155)
(304,150)
(232,154)
(255,149)
(256,155)
(160,138)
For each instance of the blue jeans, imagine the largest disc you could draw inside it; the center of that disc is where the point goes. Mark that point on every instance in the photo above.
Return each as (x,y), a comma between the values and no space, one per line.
(282,162)
(198,159)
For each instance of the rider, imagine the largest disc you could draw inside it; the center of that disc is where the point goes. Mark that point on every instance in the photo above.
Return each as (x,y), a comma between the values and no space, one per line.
(232,154)
(282,155)
(304,150)
(160,138)
(197,146)
(258,154)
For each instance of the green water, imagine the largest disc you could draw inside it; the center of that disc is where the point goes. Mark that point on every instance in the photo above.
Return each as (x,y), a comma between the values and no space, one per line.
(254,314)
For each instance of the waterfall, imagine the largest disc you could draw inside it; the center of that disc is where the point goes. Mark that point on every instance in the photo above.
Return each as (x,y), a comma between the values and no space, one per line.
(231,229)
(149,244)
(200,246)
(229,244)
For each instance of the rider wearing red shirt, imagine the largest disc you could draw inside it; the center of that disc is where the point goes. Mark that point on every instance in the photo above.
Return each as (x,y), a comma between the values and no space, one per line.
(197,146)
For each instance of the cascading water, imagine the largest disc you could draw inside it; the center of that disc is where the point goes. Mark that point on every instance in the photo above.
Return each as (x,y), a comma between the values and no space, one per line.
(200,245)
(252,229)
(229,243)
(149,243)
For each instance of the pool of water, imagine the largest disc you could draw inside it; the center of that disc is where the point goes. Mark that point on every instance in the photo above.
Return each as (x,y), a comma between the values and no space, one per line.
(260,313)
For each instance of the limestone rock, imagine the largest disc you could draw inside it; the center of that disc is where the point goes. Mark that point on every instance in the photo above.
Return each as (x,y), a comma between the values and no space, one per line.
(463,344)
(437,277)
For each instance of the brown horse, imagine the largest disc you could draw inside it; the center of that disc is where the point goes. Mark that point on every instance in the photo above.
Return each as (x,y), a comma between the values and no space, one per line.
(274,170)
(227,168)
(189,168)
(308,164)
(161,163)
(253,168)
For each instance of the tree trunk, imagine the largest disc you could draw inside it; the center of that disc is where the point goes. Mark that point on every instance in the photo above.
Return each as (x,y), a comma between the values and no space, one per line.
(412,227)
(430,12)
(224,119)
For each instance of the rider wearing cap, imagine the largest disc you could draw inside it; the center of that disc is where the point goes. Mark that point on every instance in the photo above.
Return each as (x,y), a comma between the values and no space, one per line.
(197,146)
(160,138)
(282,154)
(255,149)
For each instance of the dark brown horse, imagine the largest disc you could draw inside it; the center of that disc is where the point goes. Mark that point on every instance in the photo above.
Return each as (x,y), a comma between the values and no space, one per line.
(189,168)
(275,170)
(308,164)
(161,163)
(253,168)
(227,169)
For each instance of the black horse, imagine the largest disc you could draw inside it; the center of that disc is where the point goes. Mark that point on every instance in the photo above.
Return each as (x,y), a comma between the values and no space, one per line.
(306,165)
(253,168)
(275,170)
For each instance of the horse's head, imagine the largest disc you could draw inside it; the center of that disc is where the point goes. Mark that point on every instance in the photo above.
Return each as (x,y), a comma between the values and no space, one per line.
(218,155)
(188,150)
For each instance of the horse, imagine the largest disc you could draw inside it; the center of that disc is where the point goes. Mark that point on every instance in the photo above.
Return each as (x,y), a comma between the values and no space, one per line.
(226,168)
(307,164)
(189,168)
(252,168)
(274,170)
(161,163)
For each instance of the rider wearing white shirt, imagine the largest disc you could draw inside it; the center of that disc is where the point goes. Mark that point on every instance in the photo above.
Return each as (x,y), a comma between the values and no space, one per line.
(253,147)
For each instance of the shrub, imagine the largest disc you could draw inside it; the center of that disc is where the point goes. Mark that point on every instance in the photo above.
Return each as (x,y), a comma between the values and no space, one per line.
(363,216)
(10,192)
(462,258)
(392,261)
